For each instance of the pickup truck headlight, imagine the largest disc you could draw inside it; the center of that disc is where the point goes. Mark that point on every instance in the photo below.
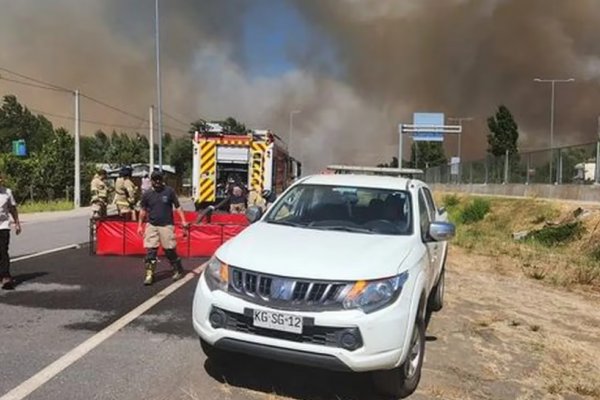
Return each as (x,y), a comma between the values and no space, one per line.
(217,274)
(371,296)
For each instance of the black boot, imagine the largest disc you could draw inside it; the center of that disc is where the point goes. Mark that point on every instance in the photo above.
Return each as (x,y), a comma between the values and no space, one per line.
(150,267)
(178,271)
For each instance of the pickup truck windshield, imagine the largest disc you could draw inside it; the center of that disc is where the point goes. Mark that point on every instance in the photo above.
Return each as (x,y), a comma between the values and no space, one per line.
(342,208)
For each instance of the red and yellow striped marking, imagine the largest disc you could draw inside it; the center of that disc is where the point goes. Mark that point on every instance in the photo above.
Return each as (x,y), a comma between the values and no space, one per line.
(208,170)
(258,150)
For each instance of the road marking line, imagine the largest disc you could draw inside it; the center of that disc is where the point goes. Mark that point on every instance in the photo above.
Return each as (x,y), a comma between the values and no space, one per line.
(33,383)
(43,253)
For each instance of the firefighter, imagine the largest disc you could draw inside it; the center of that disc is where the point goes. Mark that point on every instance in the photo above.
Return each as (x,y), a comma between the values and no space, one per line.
(269,197)
(257,199)
(100,191)
(125,193)
(237,200)
(158,204)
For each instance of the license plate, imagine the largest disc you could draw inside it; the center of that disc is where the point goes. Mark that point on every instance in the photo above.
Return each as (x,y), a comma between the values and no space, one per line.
(277,321)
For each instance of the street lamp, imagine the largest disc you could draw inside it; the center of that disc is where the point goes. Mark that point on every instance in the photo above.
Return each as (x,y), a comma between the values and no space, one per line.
(291,131)
(158,85)
(552,82)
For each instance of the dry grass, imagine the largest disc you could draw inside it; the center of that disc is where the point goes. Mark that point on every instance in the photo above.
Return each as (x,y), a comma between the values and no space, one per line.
(446,393)
(570,368)
(571,263)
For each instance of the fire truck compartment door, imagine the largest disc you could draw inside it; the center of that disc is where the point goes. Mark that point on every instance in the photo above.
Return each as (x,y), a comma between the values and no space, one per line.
(232,154)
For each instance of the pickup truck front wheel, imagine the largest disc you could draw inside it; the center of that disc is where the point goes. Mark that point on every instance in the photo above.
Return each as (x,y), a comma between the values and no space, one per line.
(436,298)
(216,356)
(402,381)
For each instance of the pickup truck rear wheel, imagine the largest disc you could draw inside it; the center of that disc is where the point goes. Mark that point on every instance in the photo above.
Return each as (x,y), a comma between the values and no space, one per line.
(436,298)
(402,381)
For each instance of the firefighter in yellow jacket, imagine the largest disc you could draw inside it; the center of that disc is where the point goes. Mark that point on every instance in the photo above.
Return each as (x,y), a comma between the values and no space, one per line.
(125,193)
(100,191)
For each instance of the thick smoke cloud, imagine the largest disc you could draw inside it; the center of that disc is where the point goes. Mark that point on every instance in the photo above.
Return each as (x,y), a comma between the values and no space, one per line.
(106,49)
(467,56)
(368,65)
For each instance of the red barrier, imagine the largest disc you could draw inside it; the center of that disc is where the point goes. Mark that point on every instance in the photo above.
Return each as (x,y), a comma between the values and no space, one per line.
(230,231)
(204,240)
(119,237)
(109,237)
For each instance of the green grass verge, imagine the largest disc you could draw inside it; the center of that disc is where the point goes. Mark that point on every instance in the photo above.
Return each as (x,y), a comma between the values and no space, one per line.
(45,206)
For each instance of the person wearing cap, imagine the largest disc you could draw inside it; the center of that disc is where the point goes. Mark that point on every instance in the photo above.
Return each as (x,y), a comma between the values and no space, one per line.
(146,183)
(125,193)
(157,205)
(237,200)
(100,191)
(8,208)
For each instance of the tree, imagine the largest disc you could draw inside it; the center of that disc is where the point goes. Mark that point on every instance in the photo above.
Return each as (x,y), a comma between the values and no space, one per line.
(198,126)
(17,122)
(391,164)
(95,148)
(427,154)
(127,150)
(179,154)
(55,165)
(231,125)
(504,133)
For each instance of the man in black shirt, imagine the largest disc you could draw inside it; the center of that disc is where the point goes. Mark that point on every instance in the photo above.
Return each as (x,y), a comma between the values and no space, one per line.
(157,204)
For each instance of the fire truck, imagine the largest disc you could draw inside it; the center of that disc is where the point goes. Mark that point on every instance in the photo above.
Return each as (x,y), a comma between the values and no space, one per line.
(259,160)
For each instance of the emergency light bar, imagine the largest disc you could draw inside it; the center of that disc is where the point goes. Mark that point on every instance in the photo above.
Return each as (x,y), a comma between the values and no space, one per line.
(410,128)
(340,169)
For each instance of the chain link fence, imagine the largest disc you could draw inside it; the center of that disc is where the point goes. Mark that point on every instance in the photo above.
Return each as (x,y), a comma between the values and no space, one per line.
(565,165)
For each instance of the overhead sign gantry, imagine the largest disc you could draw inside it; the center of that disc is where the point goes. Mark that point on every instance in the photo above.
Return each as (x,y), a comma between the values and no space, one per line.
(426,127)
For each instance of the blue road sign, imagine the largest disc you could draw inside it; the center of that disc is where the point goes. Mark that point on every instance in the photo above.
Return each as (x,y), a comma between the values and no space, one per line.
(19,148)
(428,119)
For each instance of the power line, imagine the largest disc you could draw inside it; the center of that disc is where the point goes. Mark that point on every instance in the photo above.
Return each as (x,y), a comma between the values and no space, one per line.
(46,113)
(49,86)
(102,103)
(30,84)
(36,80)
(175,119)
(143,125)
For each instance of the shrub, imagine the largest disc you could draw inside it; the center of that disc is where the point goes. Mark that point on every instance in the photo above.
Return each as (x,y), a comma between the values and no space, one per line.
(450,201)
(475,211)
(555,235)
(595,254)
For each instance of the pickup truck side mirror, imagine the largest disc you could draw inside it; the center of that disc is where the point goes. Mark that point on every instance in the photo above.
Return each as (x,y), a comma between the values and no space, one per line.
(253,214)
(441,231)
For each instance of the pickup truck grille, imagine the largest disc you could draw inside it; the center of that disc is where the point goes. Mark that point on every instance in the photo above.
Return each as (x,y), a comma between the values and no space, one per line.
(286,293)
(319,335)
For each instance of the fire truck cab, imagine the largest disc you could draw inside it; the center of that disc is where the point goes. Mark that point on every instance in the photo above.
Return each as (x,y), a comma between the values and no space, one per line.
(258,160)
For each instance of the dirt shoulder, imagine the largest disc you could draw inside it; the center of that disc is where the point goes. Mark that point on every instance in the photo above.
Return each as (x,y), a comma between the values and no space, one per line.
(504,336)
(500,335)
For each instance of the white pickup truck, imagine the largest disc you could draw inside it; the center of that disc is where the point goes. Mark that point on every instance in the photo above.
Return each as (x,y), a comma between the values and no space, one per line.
(339,273)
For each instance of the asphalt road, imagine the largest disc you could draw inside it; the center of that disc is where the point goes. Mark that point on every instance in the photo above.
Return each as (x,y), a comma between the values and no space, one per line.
(45,232)
(63,299)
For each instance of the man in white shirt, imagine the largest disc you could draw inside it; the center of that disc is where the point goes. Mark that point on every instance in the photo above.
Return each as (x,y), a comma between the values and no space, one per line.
(8,207)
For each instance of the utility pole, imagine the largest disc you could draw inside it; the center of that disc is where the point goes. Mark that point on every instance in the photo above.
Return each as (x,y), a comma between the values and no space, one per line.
(77,185)
(291,129)
(597,171)
(552,82)
(158,90)
(400,145)
(151,139)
